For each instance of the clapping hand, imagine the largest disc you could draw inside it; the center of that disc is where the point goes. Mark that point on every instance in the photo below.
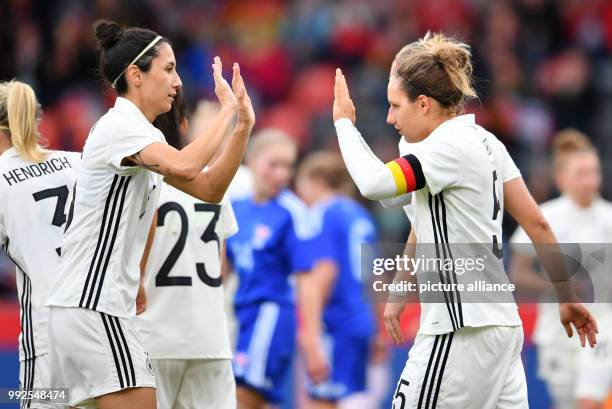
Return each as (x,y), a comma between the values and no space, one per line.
(224,92)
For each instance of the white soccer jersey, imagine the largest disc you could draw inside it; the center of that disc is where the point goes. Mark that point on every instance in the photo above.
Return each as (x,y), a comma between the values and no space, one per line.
(464,167)
(113,209)
(34,201)
(185,315)
(571,224)
(456,175)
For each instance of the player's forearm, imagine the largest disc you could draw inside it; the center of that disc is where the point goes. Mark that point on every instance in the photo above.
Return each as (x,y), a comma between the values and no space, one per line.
(521,205)
(552,259)
(211,184)
(525,277)
(314,289)
(310,304)
(372,177)
(201,150)
(224,169)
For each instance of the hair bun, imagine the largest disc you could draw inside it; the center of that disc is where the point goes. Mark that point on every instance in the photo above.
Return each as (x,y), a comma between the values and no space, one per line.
(452,56)
(108,33)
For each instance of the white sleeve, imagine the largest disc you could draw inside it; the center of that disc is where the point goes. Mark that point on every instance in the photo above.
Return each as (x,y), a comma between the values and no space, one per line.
(509,169)
(373,179)
(228,218)
(397,201)
(129,138)
(405,199)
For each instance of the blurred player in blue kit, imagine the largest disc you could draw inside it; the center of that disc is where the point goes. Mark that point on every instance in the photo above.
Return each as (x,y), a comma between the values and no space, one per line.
(337,324)
(269,247)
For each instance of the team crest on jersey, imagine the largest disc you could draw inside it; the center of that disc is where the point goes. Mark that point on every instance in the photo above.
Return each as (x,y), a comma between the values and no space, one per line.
(241,360)
(149,364)
(261,234)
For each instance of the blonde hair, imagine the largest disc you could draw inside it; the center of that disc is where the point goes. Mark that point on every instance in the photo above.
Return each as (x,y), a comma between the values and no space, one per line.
(329,168)
(439,67)
(267,137)
(568,142)
(19,116)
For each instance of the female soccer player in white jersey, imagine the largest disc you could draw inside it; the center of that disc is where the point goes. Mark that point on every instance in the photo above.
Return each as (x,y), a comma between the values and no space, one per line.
(34,189)
(97,351)
(575,378)
(184,326)
(465,354)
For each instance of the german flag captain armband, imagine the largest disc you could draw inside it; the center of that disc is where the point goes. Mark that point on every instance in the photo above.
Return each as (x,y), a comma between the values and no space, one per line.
(407,174)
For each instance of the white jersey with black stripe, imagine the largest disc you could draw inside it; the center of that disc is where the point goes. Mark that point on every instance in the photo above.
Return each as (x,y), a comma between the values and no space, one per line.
(464,168)
(113,209)
(183,279)
(35,198)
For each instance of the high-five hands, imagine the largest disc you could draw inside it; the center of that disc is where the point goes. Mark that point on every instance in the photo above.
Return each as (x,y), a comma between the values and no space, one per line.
(246,115)
(223,91)
(343,105)
(234,97)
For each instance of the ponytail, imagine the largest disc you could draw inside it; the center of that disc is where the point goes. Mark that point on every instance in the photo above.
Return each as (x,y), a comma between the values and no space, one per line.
(19,114)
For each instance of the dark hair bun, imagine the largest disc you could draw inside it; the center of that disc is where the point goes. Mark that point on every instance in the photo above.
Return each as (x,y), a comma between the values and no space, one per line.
(108,33)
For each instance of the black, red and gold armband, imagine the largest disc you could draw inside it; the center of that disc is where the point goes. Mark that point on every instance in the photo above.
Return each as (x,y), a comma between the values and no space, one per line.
(407,173)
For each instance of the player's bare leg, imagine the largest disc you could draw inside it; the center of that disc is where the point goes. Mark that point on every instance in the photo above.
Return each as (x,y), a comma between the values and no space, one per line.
(249,399)
(141,398)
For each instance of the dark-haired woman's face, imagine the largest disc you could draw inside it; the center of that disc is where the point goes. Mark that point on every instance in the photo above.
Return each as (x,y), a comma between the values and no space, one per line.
(161,83)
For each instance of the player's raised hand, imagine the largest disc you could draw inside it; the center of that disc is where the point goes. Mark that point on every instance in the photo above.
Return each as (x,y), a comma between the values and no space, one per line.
(223,91)
(246,114)
(577,315)
(343,105)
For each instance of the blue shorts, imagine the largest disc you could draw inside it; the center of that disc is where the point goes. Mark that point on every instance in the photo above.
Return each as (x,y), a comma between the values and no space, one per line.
(348,359)
(266,344)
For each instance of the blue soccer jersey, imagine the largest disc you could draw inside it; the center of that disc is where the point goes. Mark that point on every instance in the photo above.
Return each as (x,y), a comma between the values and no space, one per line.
(340,226)
(272,243)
